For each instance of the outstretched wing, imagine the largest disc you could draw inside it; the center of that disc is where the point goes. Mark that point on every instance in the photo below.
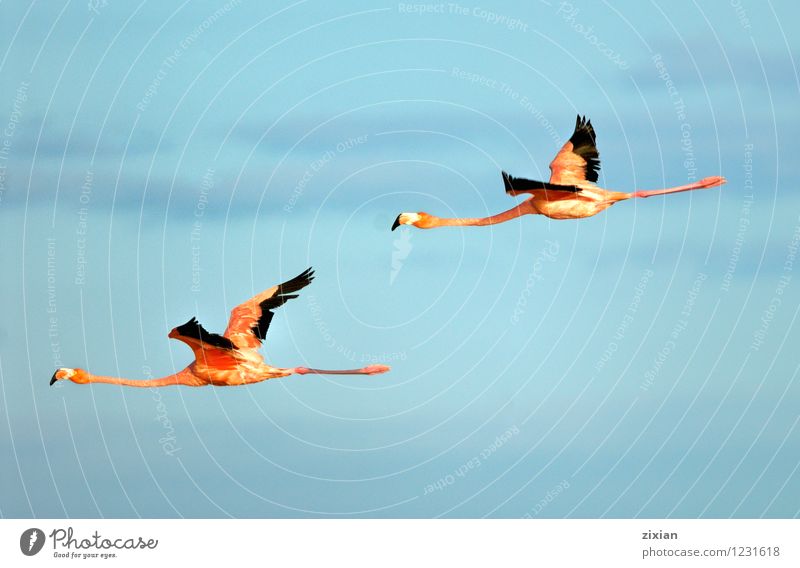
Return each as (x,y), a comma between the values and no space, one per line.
(516,186)
(578,160)
(250,321)
(209,349)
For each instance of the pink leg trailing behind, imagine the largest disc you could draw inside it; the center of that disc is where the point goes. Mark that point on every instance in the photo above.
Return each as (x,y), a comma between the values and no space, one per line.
(704,183)
(369,370)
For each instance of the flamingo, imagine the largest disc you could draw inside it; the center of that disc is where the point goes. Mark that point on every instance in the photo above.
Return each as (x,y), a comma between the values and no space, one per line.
(571,192)
(229,359)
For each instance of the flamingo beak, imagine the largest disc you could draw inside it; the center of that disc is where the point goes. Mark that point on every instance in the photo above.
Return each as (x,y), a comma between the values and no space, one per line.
(54,379)
(396,222)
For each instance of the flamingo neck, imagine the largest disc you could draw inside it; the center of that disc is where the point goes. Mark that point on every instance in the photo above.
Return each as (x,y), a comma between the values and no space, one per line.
(512,213)
(169,380)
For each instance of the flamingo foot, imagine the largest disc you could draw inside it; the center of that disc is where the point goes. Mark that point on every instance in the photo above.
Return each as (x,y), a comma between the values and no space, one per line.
(712,181)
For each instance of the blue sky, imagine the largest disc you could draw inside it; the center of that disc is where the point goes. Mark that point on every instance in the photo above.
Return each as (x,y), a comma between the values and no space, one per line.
(167,161)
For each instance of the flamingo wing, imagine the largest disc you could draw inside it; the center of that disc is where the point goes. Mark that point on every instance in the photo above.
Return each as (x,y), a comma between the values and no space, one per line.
(516,186)
(578,160)
(250,321)
(210,349)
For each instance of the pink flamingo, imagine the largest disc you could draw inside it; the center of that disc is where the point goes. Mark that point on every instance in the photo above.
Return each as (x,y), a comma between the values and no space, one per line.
(571,192)
(229,359)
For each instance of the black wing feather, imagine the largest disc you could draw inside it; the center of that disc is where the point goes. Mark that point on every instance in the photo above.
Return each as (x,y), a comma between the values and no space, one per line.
(194,329)
(283,294)
(521,184)
(584,144)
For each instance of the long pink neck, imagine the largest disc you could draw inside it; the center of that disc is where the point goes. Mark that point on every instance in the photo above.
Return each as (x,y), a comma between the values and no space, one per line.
(169,380)
(512,213)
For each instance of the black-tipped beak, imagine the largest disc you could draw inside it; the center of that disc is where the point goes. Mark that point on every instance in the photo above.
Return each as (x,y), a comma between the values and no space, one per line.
(396,223)
(54,379)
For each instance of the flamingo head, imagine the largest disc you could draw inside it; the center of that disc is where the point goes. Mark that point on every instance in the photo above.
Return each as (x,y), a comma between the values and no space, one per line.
(74,375)
(420,220)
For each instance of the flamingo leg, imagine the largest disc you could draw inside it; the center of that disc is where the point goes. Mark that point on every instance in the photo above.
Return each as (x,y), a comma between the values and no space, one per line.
(704,183)
(369,370)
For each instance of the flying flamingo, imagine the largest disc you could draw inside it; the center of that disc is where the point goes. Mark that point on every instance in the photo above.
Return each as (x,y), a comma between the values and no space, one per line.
(570,194)
(229,359)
